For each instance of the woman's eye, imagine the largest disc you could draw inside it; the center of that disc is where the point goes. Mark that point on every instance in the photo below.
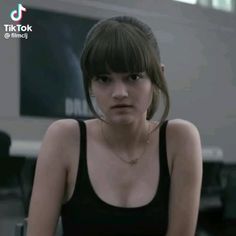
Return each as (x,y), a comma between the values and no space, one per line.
(102,79)
(135,77)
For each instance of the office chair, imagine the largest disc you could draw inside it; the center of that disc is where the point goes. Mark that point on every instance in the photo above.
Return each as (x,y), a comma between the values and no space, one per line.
(20,228)
(11,184)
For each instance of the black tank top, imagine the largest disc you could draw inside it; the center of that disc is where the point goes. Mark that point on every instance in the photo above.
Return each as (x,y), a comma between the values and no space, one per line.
(86,214)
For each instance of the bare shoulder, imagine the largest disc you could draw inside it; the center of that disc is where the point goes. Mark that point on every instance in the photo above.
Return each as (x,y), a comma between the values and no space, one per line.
(60,136)
(181,133)
(61,129)
(62,126)
(184,141)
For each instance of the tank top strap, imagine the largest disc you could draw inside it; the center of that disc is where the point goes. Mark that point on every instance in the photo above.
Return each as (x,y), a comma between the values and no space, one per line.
(82,172)
(164,170)
(83,138)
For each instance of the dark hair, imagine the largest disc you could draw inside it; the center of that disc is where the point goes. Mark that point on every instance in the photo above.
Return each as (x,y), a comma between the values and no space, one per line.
(124,44)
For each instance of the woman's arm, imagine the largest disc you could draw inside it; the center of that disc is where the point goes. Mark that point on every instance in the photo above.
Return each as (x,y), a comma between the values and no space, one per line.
(186,177)
(50,180)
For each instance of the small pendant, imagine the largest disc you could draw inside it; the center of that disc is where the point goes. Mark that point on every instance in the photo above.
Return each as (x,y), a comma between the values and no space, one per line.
(133,162)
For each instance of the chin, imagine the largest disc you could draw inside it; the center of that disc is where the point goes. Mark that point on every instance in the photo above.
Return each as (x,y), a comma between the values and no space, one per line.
(122,119)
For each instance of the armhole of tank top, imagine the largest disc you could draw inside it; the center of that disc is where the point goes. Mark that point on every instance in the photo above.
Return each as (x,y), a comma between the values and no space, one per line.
(164,167)
(80,163)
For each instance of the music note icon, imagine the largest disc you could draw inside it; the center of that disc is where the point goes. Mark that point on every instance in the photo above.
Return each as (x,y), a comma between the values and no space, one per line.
(16,15)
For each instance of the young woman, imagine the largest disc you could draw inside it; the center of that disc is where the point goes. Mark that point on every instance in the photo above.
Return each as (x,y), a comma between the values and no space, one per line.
(120,173)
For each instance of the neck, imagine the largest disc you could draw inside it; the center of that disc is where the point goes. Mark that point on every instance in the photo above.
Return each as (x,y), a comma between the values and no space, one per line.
(125,137)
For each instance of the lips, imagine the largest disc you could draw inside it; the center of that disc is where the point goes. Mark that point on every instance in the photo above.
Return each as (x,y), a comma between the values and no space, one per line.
(121,106)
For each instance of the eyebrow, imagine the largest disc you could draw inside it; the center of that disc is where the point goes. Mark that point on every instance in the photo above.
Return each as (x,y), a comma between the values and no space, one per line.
(122,73)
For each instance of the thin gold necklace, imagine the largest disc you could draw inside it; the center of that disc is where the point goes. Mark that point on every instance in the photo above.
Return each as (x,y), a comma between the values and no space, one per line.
(133,161)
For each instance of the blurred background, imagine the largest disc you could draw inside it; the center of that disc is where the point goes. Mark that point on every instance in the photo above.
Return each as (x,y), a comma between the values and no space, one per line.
(41,81)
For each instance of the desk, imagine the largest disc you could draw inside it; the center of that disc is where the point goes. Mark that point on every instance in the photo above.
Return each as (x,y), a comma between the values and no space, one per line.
(29,149)
(212,154)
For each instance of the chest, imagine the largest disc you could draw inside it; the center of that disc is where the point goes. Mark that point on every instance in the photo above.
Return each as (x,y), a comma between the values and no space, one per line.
(118,183)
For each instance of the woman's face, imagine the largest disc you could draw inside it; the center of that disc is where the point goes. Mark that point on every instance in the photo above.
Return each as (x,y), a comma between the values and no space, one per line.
(122,97)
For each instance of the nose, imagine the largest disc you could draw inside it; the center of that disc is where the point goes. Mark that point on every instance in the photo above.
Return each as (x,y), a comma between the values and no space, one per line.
(119,90)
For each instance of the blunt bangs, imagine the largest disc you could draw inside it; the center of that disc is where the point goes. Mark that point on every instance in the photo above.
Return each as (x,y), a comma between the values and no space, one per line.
(118,48)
